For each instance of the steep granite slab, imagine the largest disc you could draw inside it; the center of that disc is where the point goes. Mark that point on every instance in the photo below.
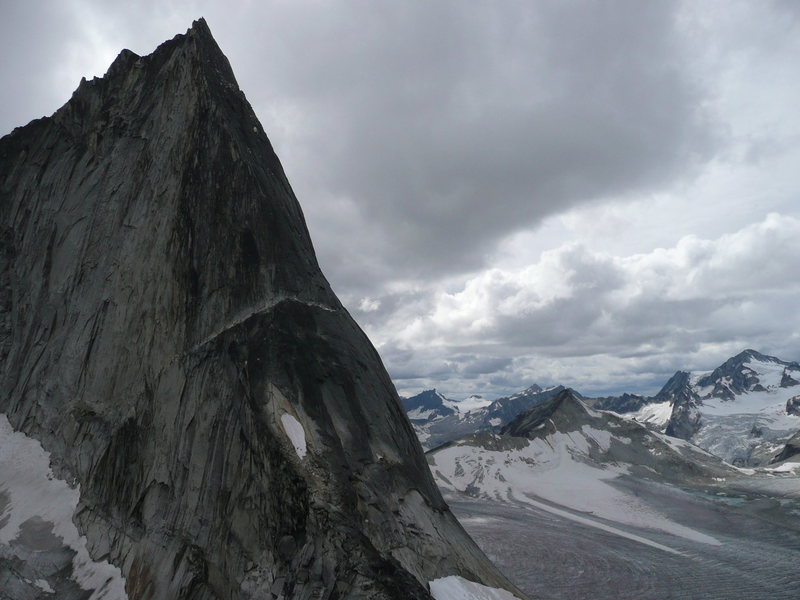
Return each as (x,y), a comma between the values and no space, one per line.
(162,312)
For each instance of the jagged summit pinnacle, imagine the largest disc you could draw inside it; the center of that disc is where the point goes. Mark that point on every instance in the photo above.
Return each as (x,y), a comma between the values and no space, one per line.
(186,73)
(198,43)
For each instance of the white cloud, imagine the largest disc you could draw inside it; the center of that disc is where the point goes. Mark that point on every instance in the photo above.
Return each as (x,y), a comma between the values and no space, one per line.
(576,306)
(369,305)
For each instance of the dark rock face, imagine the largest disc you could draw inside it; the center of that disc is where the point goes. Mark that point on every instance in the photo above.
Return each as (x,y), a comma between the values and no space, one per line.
(621,404)
(162,314)
(787,380)
(685,420)
(790,450)
(677,389)
(793,406)
(566,404)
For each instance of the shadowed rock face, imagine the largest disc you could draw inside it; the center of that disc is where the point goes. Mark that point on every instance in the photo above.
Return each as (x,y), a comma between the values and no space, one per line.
(686,419)
(793,406)
(621,404)
(790,450)
(162,312)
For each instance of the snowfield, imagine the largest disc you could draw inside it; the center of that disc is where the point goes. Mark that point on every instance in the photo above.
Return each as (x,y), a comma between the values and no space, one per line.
(557,470)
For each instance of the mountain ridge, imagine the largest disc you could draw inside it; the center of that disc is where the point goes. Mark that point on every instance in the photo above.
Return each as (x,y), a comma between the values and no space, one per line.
(681,408)
(437,419)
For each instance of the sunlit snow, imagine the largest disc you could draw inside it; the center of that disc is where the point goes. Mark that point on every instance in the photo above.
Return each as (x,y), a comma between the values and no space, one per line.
(467,404)
(657,413)
(458,588)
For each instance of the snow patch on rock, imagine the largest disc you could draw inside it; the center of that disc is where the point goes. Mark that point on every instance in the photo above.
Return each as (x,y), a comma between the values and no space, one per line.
(657,414)
(296,434)
(458,588)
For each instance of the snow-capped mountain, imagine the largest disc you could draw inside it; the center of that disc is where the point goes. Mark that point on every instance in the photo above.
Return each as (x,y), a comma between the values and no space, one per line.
(743,411)
(431,405)
(437,419)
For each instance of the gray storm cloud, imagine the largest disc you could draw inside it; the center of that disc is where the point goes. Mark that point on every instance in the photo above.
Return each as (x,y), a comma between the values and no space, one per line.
(636,149)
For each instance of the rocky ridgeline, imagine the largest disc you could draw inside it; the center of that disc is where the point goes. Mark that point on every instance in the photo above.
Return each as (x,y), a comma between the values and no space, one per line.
(438,420)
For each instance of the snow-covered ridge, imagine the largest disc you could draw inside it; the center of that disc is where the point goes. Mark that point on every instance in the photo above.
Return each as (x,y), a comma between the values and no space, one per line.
(740,409)
(656,414)
(467,404)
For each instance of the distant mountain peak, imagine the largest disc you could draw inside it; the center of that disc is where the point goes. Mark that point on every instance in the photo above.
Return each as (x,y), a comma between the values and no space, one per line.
(427,405)
(677,388)
(745,372)
(531,389)
(565,408)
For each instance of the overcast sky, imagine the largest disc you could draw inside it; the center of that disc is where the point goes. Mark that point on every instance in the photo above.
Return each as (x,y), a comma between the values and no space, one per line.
(588,193)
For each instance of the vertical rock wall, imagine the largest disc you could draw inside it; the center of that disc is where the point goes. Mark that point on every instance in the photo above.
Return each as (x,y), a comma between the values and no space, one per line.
(161,309)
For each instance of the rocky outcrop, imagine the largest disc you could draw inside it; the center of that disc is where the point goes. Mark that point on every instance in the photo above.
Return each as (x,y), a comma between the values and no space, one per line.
(621,404)
(685,420)
(166,333)
(787,380)
(790,450)
(793,406)
(677,389)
